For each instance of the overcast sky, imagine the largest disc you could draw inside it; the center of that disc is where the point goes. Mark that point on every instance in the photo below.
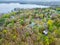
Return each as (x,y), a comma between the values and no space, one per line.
(30,0)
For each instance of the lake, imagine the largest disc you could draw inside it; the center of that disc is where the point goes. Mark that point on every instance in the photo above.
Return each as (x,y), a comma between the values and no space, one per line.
(7,7)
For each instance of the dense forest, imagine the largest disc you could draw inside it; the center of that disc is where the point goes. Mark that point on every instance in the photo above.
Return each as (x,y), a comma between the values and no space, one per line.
(30,27)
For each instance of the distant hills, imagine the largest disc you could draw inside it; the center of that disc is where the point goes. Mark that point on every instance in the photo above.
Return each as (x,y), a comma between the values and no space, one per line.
(55,3)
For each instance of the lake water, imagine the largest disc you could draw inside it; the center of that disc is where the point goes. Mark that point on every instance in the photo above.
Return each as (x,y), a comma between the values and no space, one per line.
(7,7)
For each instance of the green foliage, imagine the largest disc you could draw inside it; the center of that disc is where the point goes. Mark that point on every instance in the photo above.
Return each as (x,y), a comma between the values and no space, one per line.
(38,38)
(50,25)
(27,34)
(4,31)
(13,13)
(6,16)
(58,9)
(2,21)
(36,29)
(46,40)
(13,37)
(57,23)
(57,32)
(51,39)
(51,28)
(41,15)
(21,21)
(44,19)
(11,23)
(27,26)
(49,16)
(1,41)
(50,22)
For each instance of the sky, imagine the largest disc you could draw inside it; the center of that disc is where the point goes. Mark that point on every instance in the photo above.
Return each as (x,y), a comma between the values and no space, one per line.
(31,0)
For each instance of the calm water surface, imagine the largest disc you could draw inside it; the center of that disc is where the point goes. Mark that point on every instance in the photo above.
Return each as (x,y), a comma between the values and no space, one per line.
(7,7)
